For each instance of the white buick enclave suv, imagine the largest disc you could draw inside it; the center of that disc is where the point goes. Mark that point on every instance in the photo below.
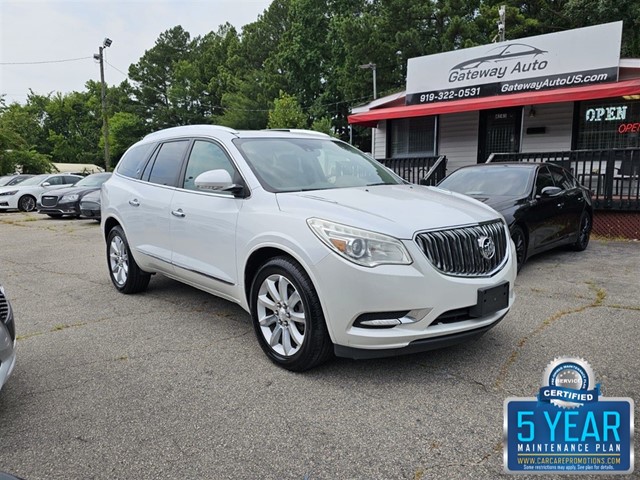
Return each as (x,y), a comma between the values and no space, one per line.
(328,250)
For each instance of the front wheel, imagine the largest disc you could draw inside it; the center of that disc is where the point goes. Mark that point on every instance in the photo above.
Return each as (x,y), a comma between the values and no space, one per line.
(125,273)
(27,203)
(287,316)
(584,233)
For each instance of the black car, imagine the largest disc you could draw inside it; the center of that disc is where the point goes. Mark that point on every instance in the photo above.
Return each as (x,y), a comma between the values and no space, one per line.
(66,201)
(543,204)
(90,205)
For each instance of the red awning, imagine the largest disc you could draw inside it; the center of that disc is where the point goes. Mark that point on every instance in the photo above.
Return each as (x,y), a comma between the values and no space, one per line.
(573,94)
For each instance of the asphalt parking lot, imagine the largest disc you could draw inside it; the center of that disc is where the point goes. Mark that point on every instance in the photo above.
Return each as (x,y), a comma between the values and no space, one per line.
(173,384)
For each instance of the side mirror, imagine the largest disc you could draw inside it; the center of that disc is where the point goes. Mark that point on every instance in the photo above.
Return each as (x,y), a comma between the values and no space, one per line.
(45,184)
(217,181)
(550,191)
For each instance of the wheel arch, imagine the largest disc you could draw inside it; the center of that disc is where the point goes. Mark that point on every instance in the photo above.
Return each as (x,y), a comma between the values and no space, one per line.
(109,223)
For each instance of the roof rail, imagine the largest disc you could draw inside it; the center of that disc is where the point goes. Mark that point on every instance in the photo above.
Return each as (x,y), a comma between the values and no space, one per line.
(298,130)
(189,129)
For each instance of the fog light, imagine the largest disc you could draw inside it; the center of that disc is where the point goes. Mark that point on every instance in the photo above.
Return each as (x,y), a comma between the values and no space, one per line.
(380,319)
(387,322)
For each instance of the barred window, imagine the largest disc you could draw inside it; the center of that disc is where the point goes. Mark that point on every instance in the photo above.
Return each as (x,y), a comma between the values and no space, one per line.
(412,137)
(605,124)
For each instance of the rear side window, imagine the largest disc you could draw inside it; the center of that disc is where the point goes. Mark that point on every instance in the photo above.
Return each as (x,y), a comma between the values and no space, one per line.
(166,166)
(132,163)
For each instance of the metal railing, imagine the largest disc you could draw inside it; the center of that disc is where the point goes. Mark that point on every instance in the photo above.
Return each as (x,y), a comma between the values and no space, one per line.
(611,175)
(421,170)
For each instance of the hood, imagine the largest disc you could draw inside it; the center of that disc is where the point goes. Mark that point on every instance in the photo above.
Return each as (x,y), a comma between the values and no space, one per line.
(397,210)
(499,202)
(59,192)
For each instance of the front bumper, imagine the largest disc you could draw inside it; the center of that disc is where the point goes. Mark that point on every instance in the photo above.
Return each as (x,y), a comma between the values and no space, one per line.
(70,208)
(90,210)
(7,346)
(438,305)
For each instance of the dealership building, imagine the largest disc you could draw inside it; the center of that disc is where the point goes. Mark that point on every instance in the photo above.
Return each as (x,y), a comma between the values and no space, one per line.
(562,91)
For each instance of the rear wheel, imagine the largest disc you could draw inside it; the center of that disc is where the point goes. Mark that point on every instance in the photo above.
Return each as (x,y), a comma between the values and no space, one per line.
(287,316)
(125,274)
(520,241)
(584,233)
(27,203)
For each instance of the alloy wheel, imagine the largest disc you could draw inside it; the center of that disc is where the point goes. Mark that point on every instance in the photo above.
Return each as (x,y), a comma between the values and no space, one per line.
(281,315)
(118,260)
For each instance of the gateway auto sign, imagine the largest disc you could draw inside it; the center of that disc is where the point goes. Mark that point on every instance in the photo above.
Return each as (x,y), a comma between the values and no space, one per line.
(572,58)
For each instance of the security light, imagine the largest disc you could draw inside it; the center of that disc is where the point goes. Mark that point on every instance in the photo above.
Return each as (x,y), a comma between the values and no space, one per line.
(107,42)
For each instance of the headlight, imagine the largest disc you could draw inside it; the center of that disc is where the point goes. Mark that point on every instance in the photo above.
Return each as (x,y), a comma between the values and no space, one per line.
(363,247)
(12,192)
(70,198)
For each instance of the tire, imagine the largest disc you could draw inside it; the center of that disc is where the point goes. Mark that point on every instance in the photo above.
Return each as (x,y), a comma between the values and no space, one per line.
(293,335)
(124,272)
(584,232)
(520,241)
(55,215)
(27,203)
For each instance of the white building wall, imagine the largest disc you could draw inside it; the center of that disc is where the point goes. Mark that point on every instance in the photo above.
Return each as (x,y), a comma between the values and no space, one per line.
(380,140)
(458,139)
(557,119)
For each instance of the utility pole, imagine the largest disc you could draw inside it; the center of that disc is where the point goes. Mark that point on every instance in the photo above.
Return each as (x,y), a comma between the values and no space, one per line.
(372,66)
(502,25)
(105,122)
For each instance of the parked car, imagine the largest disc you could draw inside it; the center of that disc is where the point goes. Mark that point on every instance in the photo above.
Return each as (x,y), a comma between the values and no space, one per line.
(543,204)
(7,338)
(23,195)
(90,205)
(326,248)
(9,180)
(66,201)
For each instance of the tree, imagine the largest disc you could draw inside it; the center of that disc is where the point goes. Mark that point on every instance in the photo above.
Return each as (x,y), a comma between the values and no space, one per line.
(124,130)
(287,113)
(155,75)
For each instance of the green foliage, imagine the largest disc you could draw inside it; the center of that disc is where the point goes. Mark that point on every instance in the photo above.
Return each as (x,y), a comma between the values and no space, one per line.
(322,125)
(287,113)
(27,161)
(124,130)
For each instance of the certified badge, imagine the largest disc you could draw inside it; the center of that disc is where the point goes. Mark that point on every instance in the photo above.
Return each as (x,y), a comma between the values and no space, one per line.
(569,427)
(569,382)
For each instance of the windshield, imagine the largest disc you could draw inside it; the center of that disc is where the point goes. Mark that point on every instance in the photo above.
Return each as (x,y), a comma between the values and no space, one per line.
(93,180)
(489,180)
(300,164)
(37,180)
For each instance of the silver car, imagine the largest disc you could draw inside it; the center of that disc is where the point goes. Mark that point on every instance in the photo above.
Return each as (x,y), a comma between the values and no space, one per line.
(7,338)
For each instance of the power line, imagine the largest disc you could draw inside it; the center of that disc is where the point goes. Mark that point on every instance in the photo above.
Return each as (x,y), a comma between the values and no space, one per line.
(46,61)
(116,69)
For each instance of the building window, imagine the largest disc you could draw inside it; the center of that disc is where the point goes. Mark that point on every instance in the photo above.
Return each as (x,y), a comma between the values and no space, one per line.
(606,124)
(412,137)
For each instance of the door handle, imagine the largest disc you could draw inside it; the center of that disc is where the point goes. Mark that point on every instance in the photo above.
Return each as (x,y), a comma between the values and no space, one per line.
(134,202)
(178,213)
(560,205)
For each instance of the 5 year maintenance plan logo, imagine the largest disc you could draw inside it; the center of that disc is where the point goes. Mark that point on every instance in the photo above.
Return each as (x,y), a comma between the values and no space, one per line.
(570,427)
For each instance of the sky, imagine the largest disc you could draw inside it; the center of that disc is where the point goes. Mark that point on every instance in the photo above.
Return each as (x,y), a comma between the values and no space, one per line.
(53,30)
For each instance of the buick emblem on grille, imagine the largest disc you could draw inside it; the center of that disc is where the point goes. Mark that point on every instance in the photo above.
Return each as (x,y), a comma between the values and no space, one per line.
(487,247)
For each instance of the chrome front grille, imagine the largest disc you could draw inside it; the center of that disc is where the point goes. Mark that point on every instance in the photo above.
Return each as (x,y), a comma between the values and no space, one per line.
(4,308)
(459,251)
(48,201)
